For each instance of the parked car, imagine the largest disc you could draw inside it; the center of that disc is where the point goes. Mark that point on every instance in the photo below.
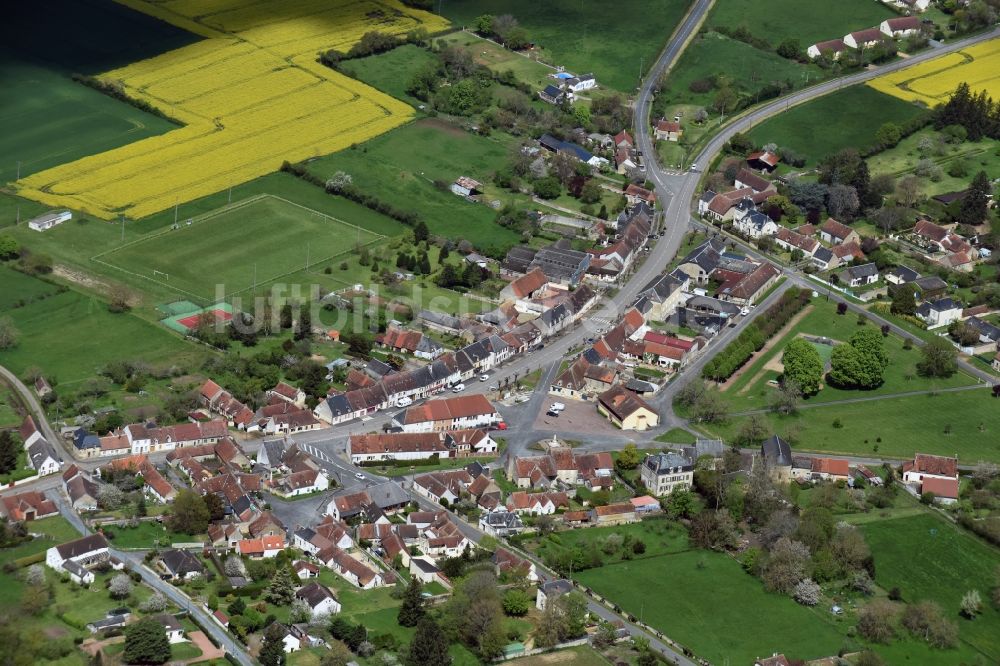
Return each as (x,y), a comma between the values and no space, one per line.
(484,377)
(458,388)
(404,402)
(552,413)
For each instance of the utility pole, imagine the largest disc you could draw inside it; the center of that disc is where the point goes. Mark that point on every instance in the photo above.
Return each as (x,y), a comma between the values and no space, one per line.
(230,194)
(307,255)
(18,170)
(123,227)
(176,204)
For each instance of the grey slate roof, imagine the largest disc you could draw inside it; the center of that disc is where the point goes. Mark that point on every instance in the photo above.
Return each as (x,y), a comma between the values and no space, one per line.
(904,273)
(665,463)
(776,451)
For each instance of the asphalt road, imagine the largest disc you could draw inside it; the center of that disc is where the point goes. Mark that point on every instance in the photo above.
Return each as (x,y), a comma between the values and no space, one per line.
(28,396)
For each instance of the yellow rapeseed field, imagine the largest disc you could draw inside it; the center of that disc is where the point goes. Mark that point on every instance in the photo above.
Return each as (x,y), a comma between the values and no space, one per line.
(932,82)
(250,95)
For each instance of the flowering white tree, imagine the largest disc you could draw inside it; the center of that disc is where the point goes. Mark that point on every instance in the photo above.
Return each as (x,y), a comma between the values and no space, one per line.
(807,592)
(120,586)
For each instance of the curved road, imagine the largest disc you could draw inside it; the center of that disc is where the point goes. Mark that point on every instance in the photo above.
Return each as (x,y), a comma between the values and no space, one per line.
(29,399)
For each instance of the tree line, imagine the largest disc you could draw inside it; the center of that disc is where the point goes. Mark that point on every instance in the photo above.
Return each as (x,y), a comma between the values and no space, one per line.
(753,337)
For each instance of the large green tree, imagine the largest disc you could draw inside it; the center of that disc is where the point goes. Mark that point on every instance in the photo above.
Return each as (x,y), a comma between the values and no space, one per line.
(412,609)
(190,513)
(937,359)
(861,363)
(973,207)
(903,301)
(8,452)
(272,651)
(429,646)
(146,643)
(803,365)
(281,591)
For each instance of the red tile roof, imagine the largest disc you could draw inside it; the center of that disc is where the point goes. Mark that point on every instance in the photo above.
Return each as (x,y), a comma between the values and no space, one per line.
(947,488)
(928,464)
(832,466)
(835,229)
(448,409)
(528,283)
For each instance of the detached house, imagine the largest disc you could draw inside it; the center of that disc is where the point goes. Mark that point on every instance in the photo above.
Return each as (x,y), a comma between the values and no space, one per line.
(668,130)
(319,598)
(933,474)
(29,505)
(831,48)
(835,233)
(662,473)
(627,410)
(901,26)
(74,557)
(940,312)
(863,39)
(859,276)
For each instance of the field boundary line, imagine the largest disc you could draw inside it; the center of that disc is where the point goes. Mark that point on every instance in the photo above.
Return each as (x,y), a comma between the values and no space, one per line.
(304,269)
(194,220)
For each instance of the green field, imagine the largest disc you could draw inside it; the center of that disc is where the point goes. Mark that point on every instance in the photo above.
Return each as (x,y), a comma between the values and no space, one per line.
(500,59)
(392,71)
(748,69)
(74,243)
(809,22)
(965,423)
(583,655)
(18,289)
(587,36)
(847,118)
(705,600)
(267,237)
(400,167)
(48,118)
(980,155)
(72,336)
(751,389)
(927,557)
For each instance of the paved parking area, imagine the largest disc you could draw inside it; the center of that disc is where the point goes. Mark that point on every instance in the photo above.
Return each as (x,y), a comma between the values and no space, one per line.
(579,416)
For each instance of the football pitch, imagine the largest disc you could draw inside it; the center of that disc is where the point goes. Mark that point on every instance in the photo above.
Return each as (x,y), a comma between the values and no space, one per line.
(256,241)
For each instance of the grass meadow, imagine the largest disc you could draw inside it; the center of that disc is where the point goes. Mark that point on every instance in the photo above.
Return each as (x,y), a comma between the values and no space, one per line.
(751,389)
(392,71)
(705,600)
(966,423)
(402,166)
(842,119)
(903,158)
(927,557)
(748,69)
(71,336)
(587,36)
(808,22)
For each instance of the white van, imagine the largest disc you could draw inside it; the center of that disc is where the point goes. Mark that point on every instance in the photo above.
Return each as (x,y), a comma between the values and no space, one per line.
(557,407)
(458,388)
(404,402)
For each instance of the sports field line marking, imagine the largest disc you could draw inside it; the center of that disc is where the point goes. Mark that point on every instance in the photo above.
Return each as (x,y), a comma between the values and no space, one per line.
(228,208)
(199,219)
(304,269)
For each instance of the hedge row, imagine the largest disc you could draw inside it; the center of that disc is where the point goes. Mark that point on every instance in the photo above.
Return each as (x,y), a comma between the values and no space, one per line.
(113,89)
(753,337)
